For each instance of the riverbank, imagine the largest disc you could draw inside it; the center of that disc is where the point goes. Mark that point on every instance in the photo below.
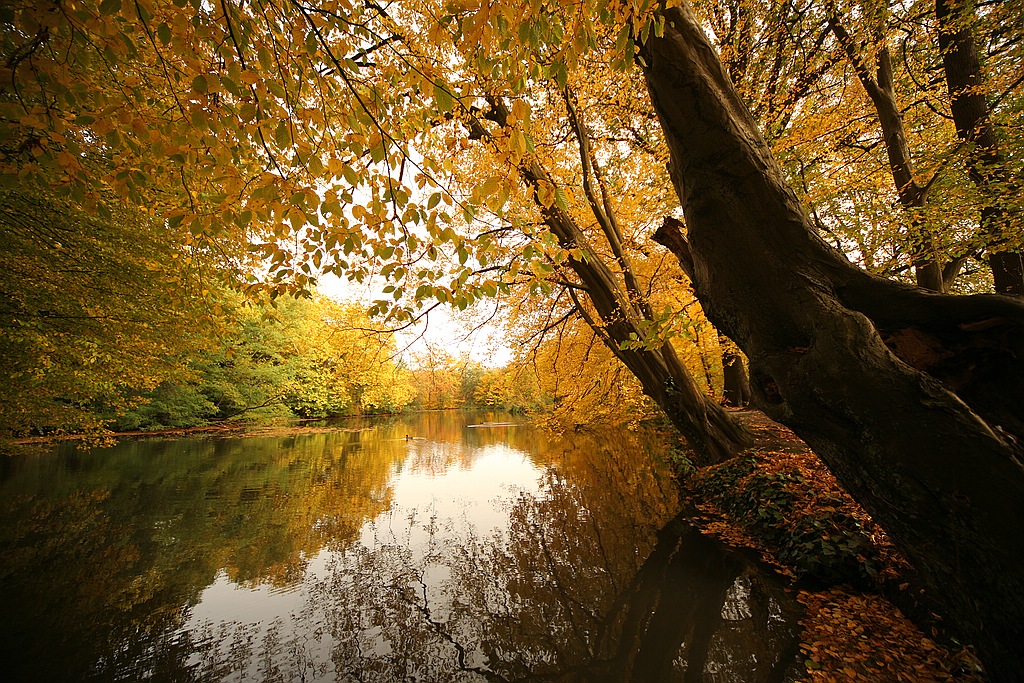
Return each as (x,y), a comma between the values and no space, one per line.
(220,429)
(777,500)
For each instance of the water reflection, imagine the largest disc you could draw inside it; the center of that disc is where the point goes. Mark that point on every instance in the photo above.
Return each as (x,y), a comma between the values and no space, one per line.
(459,554)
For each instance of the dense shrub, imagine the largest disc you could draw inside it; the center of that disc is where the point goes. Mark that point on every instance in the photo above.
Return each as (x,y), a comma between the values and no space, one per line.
(806,529)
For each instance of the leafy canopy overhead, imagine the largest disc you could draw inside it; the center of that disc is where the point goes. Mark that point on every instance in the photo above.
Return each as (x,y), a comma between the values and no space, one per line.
(328,136)
(278,140)
(295,130)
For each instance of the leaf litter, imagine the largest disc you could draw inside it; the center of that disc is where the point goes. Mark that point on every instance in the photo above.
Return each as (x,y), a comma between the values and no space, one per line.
(852,630)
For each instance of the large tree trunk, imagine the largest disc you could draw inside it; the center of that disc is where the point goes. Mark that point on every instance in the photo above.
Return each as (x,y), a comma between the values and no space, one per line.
(985,164)
(911,398)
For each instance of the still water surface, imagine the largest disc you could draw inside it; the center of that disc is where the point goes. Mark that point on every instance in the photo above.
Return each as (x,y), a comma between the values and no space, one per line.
(471,551)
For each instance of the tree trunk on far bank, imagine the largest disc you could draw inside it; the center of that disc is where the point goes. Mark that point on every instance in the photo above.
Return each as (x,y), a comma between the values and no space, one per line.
(736,384)
(913,399)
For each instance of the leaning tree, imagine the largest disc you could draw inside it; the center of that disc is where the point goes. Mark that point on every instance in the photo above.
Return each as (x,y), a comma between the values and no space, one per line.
(288,128)
(913,399)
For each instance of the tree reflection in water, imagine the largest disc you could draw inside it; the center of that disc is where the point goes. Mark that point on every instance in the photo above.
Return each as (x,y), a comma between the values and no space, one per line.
(581,586)
(582,573)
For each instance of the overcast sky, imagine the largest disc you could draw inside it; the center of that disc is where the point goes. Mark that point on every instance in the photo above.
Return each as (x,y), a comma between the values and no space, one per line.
(455,331)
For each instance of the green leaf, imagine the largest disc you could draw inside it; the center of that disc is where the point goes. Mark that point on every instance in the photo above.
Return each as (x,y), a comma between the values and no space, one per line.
(315,166)
(351,177)
(163,32)
(266,59)
(199,84)
(560,72)
(247,112)
(524,32)
(230,86)
(561,200)
(108,7)
(530,148)
(434,200)
(275,88)
(442,96)
(283,136)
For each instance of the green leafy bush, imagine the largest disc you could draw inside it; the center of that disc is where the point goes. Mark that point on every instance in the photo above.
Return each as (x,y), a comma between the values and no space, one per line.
(807,530)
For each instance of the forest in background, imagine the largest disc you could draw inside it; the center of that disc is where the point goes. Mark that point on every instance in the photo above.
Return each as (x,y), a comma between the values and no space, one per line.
(112,331)
(156,204)
(837,184)
(168,177)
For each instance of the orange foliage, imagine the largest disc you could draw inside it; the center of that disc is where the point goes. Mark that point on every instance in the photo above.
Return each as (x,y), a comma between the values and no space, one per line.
(855,637)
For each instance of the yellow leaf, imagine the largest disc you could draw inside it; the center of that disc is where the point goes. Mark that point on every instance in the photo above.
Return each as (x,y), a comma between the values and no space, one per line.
(517,142)
(521,110)
(546,194)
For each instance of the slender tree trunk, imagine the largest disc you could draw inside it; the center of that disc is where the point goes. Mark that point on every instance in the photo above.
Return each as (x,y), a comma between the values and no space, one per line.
(928,271)
(710,431)
(912,399)
(622,309)
(736,385)
(985,164)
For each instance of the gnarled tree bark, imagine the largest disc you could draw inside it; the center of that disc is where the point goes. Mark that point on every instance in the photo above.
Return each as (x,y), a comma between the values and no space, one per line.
(913,399)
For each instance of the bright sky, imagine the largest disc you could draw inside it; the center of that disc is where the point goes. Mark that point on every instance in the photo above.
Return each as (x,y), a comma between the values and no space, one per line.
(457,332)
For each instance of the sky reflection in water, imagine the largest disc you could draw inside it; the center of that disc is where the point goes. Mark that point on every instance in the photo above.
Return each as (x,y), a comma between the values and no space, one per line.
(466,554)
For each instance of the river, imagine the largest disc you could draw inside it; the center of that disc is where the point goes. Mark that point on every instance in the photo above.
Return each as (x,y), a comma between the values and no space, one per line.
(432,547)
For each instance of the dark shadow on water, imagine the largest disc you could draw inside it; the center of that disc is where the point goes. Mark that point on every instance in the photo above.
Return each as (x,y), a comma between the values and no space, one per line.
(697,612)
(361,556)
